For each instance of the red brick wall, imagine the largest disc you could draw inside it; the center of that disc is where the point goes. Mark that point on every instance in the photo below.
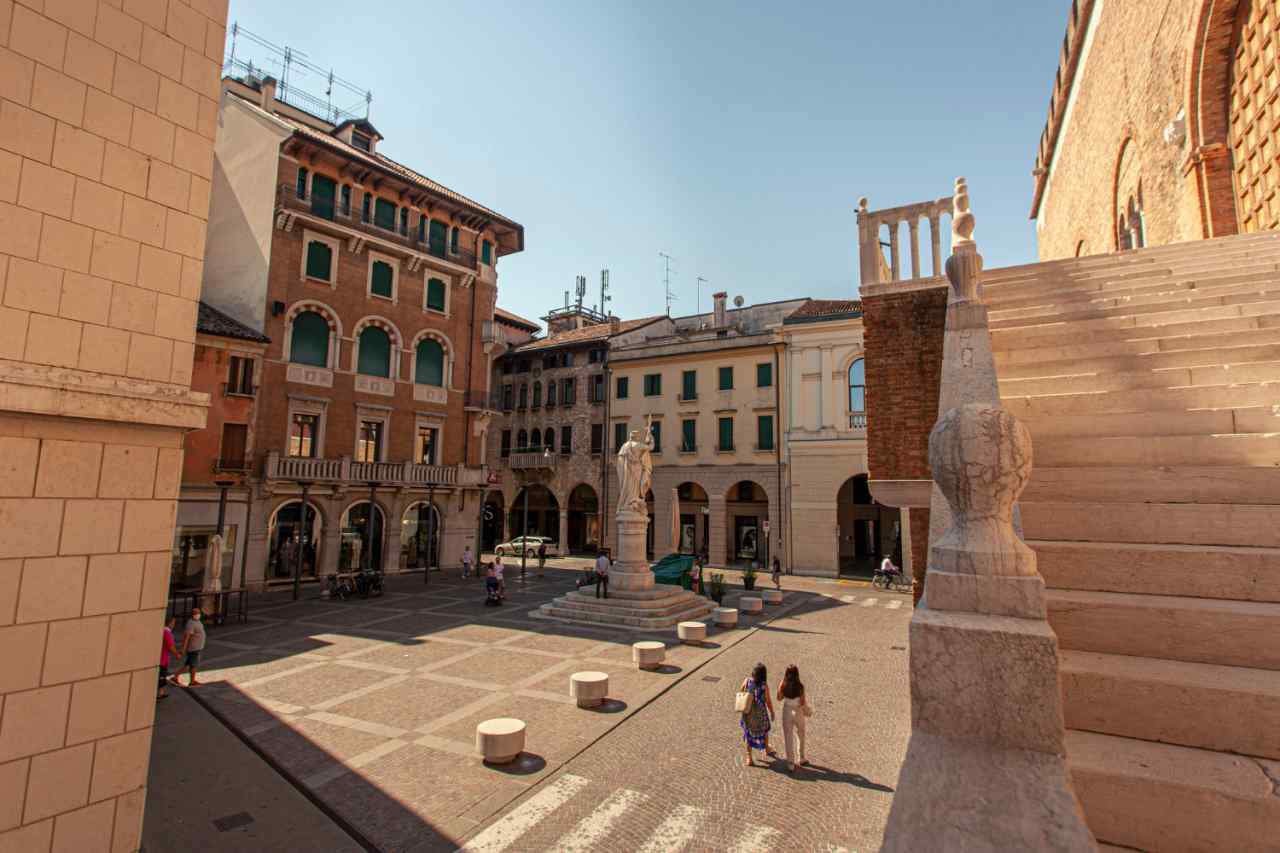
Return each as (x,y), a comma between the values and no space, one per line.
(903,333)
(208,373)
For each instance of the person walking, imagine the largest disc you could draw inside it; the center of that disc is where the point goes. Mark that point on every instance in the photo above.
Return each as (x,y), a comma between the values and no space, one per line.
(542,557)
(602,573)
(777,573)
(466,562)
(167,650)
(757,718)
(193,640)
(497,573)
(795,711)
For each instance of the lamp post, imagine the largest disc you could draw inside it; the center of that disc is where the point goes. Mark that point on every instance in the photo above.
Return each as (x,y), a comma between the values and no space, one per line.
(223,484)
(302,540)
(366,554)
(524,535)
(431,517)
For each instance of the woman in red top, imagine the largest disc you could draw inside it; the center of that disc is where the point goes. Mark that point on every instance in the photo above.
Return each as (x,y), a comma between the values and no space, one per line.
(167,648)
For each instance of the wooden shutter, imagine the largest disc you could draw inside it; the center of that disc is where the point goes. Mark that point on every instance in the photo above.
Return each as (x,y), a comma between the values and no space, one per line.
(319,261)
(382,279)
(764,432)
(384,214)
(435,294)
(689,435)
(234,440)
(438,236)
(726,434)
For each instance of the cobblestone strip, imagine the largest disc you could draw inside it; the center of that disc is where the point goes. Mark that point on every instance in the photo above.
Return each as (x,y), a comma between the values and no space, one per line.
(460,713)
(507,831)
(254,682)
(594,827)
(355,694)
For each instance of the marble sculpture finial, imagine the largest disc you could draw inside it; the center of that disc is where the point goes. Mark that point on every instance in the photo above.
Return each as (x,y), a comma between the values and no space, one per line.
(962,221)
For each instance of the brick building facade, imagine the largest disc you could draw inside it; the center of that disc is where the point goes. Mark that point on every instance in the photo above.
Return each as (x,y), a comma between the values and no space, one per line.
(376,287)
(1162,127)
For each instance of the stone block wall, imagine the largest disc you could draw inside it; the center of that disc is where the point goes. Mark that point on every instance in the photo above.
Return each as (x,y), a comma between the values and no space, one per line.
(904,337)
(107,119)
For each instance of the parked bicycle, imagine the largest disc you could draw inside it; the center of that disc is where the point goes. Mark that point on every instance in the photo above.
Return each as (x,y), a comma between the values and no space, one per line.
(890,577)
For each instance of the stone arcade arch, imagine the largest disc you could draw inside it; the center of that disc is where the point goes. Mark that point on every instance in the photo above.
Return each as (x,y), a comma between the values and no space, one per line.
(284,539)
(544,514)
(420,536)
(584,521)
(746,510)
(868,530)
(352,546)
(695,519)
(492,528)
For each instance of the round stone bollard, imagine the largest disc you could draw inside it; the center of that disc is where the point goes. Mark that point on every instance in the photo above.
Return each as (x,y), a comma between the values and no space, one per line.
(589,688)
(501,740)
(692,633)
(726,617)
(648,654)
(750,604)
(771,596)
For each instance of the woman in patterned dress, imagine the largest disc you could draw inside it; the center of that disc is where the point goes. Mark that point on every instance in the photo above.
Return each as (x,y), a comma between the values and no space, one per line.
(756,719)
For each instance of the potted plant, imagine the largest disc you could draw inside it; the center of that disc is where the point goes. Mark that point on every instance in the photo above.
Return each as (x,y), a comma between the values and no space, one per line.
(749,577)
(716,587)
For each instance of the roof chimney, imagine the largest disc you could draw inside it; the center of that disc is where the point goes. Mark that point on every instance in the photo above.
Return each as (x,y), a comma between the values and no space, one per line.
(268,101)
(615,325)
(718,299)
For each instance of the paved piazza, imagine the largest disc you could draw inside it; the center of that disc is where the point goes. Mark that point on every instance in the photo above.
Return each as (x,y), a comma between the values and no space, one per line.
(372,705)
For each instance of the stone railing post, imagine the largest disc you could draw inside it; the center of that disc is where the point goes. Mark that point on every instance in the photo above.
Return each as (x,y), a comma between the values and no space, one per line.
(868,245)
(986,764)
(914,226)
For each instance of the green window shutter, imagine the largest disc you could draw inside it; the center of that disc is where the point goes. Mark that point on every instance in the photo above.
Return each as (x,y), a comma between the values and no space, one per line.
(346,199)
(384,214)
(726,434)
(429,364)
(381,279)
(486,252)
(619,435)
(656,428)
(453,241)
(319,260)
(368,206)
(688,435)
(439,235)
(623,388)
(726,379)
(764,432)
(422,228)
(653,385)
(375,353)
(764,375)
(324,196)
(435,294)
(310,340)
(689,380)
(302,182)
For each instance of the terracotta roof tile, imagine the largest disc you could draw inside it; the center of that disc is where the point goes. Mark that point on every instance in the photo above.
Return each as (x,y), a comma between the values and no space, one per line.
(211,321)
(598,332)
(825,309)
(514,319)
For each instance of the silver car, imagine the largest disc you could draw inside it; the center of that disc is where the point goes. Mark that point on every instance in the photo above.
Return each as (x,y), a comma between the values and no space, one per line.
(527,544)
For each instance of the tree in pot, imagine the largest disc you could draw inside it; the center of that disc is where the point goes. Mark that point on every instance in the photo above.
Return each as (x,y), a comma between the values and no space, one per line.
(716,588)
(749,577)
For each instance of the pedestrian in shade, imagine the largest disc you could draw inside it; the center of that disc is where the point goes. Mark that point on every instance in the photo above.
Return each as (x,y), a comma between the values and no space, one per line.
(602,573)
(542,557)
(168,650)
(466,562)
(795,712)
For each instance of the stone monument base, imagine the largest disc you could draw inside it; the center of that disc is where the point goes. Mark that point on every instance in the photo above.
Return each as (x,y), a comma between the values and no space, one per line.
(659,606)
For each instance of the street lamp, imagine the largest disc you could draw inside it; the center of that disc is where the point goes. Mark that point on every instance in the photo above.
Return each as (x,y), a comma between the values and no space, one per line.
(366,555)
(302,540)
(431,516)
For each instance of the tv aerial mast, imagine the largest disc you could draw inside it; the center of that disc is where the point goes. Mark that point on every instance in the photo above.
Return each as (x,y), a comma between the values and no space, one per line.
(666,280)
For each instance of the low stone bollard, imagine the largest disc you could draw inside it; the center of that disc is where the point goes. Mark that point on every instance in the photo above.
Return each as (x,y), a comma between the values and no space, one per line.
(501,740)
(692,633)
(750,604)
(771,596)
(589,688)
(649,654)
(726,617)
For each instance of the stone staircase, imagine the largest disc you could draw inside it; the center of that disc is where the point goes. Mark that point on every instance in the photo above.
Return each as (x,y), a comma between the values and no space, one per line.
(659,607)
(1150,381)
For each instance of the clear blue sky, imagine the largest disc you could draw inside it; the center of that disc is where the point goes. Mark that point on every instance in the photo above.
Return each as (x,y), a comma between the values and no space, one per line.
(735,136)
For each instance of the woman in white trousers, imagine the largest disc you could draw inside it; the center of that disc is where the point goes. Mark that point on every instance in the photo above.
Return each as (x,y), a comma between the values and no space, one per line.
(795,711)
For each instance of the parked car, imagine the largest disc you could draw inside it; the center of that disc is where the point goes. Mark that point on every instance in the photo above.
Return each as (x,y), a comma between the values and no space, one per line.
(513,548)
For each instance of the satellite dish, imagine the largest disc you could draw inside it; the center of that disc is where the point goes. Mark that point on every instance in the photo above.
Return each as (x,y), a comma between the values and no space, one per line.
(737,301)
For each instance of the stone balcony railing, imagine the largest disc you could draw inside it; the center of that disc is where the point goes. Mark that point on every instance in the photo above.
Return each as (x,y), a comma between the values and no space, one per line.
(348,471)
(524,460)
(871,225)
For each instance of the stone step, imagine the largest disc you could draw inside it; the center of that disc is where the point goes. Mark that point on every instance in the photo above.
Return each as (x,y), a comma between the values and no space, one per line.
(1179,308)
(1110,292)
(1133,484)
(1266,308)
(1253,419)
(1198,571)
(1153,302)
(1064,333)
(1247,450)
(1144,400)
(1092,349)
(1125,380)
(1199,630)
(1007,280)
(1153,796)
(1083,365)
(1159,523)
(1224,708)
(580,614)
(656,607)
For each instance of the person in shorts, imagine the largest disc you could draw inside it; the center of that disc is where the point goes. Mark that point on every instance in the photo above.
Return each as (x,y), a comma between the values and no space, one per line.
(193,640)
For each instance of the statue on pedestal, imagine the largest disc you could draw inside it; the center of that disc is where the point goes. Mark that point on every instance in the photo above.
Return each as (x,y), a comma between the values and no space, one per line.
(635,469)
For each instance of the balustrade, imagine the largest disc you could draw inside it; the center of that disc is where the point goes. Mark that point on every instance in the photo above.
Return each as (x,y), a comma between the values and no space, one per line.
(874,269)
(347,470)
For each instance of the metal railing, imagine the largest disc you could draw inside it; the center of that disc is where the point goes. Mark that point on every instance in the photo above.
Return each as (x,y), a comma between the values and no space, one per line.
(531,459)
(347,470)
(287,197)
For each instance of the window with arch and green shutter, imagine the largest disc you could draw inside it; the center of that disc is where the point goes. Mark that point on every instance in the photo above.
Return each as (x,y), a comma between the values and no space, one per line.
(435,294)
(309,343)
(429,363)
(375,353)
(319,261)
(381,279)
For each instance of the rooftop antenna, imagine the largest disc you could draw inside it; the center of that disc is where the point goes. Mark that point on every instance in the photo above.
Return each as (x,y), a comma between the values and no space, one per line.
(666,280)
(701,281)
(605,298)
(566,299)
(581,288)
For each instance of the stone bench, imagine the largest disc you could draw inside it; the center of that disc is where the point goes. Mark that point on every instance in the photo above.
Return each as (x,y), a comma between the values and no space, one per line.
(692,633)
(750,604)
(726,617)
(589,688)
(501,740)
(771,596)
(648,654)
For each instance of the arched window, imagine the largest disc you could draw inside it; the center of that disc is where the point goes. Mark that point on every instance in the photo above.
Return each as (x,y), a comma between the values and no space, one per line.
(857,386)
(375,352)
(522,440)
(310,343)
(537,394)
(549,437)
(429,363)
(551,393)
(524,396)
(535,440)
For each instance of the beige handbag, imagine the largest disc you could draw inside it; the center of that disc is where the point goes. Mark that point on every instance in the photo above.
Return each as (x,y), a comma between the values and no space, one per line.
(742,702)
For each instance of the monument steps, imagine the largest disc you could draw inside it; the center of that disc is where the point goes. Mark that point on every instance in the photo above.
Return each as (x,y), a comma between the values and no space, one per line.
(1160,360)
(1155,796)
(1147,401)
(576,613)
(1171,484)
(1247,449)
(1050,323)
(1211,421)
(1197,571)
(1104,273)
(1038,336)
(651,608)
(1268,292)
(1160,523)
(1079,295)
(1198,630)
(1200,705)
(1096,348)
(1168,377)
